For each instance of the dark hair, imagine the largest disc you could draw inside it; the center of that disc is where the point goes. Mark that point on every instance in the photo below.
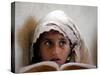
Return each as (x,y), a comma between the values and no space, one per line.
(36,52)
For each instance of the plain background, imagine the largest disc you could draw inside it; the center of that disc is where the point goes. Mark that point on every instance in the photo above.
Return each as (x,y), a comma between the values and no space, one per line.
(85,17)
(5,38)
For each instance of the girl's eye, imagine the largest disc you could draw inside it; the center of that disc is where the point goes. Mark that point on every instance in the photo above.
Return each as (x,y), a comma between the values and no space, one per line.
(62,43)
(48,43)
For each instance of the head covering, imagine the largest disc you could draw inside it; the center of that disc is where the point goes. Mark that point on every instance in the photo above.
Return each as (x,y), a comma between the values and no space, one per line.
(57,20)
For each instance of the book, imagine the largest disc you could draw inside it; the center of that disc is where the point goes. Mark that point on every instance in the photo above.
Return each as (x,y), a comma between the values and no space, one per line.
(53,66)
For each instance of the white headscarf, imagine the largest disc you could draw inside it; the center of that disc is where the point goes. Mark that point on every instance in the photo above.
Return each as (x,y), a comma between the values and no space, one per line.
(57,20)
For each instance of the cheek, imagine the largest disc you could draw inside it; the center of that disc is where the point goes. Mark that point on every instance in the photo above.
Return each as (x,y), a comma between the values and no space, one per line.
(68,51)
(45,54)
(65,52)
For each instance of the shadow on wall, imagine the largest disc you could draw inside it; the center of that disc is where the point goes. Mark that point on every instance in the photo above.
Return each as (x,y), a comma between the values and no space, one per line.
(24,36)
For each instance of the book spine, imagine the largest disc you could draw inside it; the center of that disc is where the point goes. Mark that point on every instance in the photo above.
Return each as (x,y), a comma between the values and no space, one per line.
(13,37)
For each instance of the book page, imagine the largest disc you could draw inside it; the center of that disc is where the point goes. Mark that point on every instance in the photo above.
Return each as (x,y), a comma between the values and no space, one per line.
(76,66)
(41,67)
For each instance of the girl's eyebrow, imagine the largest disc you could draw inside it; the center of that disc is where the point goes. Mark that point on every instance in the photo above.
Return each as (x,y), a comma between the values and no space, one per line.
(64,39)
(45,39)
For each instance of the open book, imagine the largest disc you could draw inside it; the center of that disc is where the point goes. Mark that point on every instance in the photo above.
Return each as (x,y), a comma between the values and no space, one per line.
(52,66)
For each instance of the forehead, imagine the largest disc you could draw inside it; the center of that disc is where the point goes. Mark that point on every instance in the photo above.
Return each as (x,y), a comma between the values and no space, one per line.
(51,33)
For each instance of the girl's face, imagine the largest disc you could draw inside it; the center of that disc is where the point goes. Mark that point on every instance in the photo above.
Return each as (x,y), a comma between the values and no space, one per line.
(54,47)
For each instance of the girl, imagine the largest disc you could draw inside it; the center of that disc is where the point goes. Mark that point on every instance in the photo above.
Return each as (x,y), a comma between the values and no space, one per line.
(56,38)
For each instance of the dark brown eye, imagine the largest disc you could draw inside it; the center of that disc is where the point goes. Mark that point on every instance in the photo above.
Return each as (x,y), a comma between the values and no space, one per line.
(48,43)
(62,43)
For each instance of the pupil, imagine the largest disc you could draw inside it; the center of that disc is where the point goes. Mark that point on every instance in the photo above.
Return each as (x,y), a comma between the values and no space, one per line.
(62,43)
(48,43)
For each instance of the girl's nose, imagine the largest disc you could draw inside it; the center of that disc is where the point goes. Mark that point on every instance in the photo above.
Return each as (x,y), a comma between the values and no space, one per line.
(56,50)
